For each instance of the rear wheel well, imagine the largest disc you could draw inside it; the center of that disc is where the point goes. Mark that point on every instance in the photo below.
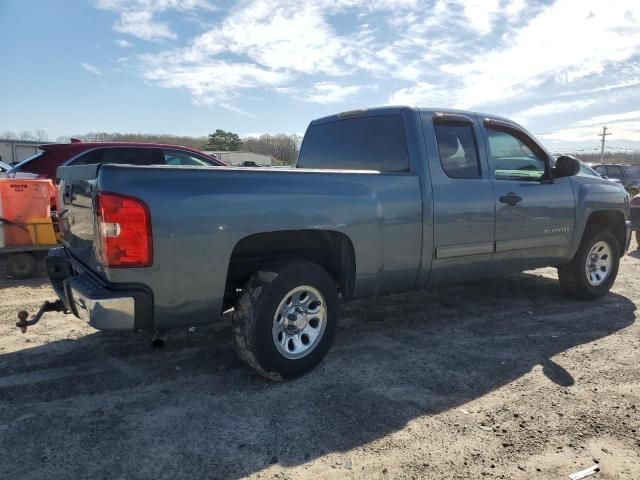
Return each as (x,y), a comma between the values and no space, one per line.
(330,249)
(614,221)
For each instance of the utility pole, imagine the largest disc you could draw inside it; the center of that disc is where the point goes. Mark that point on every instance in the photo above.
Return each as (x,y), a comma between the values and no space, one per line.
(603,135)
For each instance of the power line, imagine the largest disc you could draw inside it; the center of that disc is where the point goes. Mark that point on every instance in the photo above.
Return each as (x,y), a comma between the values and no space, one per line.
(603,135)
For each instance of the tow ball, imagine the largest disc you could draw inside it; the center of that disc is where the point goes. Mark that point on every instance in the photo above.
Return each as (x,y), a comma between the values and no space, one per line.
(23,323)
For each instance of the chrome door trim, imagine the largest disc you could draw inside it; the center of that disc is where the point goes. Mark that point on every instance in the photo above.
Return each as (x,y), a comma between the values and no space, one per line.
(524,243)
(452,251)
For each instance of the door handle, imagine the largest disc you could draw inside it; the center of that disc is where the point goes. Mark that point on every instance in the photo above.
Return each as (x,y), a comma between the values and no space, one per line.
(510,199)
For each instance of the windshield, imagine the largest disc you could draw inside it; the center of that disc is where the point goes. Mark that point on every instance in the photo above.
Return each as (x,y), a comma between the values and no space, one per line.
(587,170)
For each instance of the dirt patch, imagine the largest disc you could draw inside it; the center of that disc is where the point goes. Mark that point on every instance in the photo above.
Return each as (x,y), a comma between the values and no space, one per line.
(500,379)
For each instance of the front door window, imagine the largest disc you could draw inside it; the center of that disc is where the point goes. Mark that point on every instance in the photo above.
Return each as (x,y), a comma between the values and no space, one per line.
(512,159)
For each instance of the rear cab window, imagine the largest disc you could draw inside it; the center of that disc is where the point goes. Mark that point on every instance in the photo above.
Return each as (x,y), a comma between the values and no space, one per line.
(457,149)
(376,142)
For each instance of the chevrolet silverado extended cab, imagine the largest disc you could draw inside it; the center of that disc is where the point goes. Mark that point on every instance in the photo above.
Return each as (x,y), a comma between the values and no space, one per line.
(382,200)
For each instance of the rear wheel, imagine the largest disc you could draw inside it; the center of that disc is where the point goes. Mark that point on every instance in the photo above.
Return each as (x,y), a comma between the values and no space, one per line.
(286,318)
(594,268)
(22,265)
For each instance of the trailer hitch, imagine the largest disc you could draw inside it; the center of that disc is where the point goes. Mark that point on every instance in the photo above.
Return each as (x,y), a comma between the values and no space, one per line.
(55,306)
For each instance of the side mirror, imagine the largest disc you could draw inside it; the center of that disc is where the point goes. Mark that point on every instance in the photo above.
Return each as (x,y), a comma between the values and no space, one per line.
(566,166)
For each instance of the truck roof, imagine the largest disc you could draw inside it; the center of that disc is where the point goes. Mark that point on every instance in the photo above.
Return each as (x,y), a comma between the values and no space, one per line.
(396,109)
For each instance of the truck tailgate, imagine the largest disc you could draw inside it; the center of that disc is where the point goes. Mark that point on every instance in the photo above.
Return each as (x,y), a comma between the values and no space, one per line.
(76,192)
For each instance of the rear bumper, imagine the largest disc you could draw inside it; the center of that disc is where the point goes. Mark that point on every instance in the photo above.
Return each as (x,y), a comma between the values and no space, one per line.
(103,305)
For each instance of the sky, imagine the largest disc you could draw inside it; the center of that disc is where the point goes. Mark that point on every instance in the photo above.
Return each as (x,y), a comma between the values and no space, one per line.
(561,68)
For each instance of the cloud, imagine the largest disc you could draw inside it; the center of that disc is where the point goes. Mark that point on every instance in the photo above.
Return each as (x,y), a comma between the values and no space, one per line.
(237,110)
(611,118)
(568,41)
(124,43)
(329,92)
(540,59)
(91,69)
(551,108)
(278,35)
(623,131)
(212,81)
(480,14)
(421,94)
(138,17)
(268,44)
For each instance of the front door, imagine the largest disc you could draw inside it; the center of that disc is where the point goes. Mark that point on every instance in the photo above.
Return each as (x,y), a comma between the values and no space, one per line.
(535,216)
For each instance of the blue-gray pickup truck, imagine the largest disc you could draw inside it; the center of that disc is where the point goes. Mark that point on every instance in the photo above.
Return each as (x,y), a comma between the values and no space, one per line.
(381,200)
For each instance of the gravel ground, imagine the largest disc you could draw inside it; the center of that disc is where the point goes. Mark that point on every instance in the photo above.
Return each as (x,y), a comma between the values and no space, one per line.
(498,379)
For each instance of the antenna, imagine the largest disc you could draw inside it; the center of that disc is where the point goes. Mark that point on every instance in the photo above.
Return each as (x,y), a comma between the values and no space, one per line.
(604,136)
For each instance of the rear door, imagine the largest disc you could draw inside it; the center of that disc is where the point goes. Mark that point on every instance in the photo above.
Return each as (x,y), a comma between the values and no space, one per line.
(464,216)
(535,216)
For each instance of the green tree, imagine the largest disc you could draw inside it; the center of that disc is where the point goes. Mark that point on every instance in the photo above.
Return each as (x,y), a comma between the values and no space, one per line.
(224,141)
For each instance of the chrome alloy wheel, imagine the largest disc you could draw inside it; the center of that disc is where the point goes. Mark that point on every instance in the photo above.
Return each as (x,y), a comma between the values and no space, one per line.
(299,322)
(598,264)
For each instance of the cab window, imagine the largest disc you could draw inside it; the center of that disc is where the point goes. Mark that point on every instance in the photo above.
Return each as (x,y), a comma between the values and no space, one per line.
(376,142)
(457,150)
(511,158)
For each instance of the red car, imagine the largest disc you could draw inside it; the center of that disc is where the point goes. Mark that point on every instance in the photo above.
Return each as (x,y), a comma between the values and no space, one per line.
(54,155)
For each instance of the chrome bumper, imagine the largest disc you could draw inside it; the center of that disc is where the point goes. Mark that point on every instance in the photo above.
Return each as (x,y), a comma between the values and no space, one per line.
(104,305)
(106,313)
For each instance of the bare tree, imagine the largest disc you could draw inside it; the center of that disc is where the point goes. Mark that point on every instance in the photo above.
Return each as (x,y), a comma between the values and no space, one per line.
(283,148)
(193,142)
(26,135)
(41,135)
(9,135)
(631,157)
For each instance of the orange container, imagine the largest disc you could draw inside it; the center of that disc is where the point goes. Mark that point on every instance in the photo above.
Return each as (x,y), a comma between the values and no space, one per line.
(23,201)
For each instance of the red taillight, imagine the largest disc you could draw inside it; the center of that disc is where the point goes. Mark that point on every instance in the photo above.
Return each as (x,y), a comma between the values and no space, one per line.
(124,228)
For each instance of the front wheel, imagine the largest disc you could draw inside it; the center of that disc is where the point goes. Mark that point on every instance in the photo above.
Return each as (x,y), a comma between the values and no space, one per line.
(286,318)
(594,268)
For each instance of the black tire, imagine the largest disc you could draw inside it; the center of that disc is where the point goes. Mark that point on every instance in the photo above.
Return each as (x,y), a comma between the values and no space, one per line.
(573,276)
(22,265)
(254,314)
